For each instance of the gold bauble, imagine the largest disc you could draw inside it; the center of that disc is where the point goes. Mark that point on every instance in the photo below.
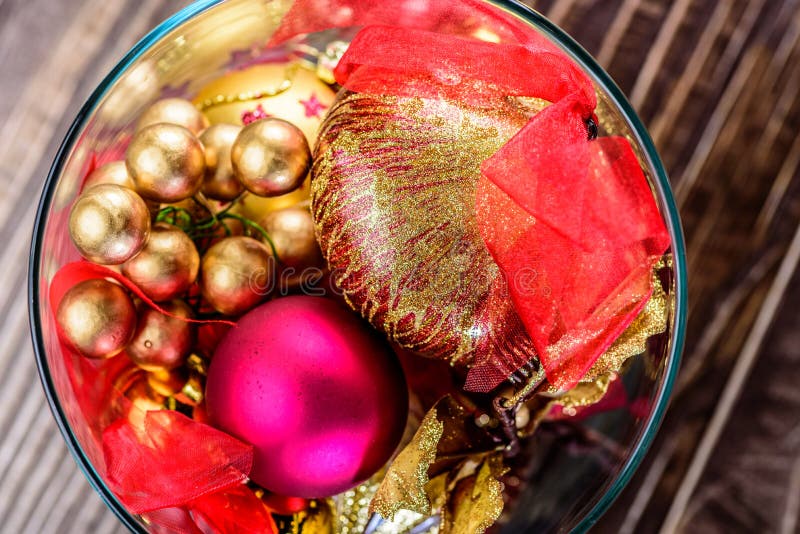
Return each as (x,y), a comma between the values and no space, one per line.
(292,232)
(166,266)
(220,183)
(111,173)
(166,162)
(109,224)
(174,111)
(162,341)
(271,157)
(97,318)
(236,274)
(303,104)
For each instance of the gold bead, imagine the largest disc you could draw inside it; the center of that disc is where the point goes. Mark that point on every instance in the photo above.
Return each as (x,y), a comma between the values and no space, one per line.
(174,111)
(292,232)
(303,104)
(220,182)
(110,173)
(166,266)
(166,162)
(109,224)
(161,341)
(236,274)
(255,207)
(271,157)
(97,318)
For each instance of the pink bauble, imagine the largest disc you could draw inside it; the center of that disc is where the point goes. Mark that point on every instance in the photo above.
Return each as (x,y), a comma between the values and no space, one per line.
(320,395)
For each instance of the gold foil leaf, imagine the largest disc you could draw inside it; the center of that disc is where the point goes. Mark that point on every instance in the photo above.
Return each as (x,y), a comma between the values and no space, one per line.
(651,321)
(476,502)
(404,484)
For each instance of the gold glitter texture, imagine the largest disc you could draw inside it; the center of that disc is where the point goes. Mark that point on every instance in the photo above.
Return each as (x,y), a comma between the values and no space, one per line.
(477,501)
(404,484)
(393,193)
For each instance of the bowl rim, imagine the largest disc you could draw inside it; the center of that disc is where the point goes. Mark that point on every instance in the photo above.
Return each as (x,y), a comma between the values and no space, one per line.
(577,53)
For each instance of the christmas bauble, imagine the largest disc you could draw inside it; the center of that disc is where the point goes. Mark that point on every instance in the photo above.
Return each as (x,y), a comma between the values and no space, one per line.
(236,274)
(109,224)
(292,232)
(110,173)
(162,341)
(220,183)
(303,102)
(174,111)
(166,266)
(96,318)
(166,162)
(393,196)
(271,157)
(320,395)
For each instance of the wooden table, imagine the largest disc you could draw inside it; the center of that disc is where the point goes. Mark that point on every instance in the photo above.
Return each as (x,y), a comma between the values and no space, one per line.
(718,85)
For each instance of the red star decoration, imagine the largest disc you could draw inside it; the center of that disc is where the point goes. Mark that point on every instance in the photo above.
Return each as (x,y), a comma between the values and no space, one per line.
(313,106)
(254,115)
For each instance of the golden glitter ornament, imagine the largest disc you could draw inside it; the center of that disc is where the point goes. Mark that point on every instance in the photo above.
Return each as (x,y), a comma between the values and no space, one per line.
(220,183)
(166,266)
(97,318)
(166,162)
(109,224)
(292,232)
(162,341)
(177,111)
(111,173)
(236,274)
(271,157)
(284,91)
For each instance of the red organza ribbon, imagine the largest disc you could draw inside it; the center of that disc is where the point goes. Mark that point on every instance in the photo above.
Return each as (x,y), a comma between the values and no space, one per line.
(171,461)
(570,221)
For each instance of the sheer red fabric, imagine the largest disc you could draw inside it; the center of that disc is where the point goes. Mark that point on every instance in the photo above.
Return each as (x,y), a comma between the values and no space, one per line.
(171,461)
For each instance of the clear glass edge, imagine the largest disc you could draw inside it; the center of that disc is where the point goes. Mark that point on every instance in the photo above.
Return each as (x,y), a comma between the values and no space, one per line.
(647,436)
(34,262)
(579,54)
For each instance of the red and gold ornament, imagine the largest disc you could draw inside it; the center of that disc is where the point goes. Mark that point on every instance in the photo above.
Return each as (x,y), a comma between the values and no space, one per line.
(161,341)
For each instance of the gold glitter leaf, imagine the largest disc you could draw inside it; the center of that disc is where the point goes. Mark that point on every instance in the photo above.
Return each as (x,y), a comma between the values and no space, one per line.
(477,501)
(404,484)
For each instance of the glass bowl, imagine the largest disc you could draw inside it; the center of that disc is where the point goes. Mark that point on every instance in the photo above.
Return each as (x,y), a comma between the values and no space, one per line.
(572,487)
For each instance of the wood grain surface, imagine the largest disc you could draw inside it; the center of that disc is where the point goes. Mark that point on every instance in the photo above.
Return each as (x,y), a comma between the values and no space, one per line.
(717,82)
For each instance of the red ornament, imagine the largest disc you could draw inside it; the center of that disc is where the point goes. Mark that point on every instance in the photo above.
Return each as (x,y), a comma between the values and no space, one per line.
(320,396)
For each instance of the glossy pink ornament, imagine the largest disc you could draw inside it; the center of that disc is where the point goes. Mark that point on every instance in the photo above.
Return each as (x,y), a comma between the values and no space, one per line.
(319,394)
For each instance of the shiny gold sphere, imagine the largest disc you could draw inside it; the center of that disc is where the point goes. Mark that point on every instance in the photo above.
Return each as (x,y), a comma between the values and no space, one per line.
(166,266)
(97,318)
(271,157)
(220,182)
(304,103)
(236,274)
(161,341)
(174,111)
(111,173)
(109,224)
(166,162)
(292,232)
